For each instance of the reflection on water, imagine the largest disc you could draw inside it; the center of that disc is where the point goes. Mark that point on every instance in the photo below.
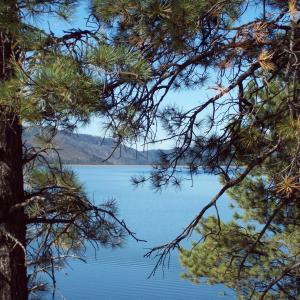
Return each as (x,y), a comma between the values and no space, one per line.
(156,217)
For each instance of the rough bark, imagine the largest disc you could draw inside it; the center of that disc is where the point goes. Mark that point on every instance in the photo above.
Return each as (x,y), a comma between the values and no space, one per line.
(13,279)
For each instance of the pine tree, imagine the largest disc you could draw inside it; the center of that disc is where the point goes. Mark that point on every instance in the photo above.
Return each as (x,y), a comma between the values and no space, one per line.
(257,253)
(122,68)
(250,136)
(51,83)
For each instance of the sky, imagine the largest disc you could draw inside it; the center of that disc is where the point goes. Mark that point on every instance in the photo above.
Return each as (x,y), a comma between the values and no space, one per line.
(184,99)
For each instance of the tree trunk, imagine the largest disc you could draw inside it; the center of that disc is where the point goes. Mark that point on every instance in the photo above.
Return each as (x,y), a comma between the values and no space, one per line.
(13,279)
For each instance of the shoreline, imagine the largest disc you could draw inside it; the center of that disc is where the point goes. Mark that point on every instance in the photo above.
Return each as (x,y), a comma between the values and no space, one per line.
(95,165)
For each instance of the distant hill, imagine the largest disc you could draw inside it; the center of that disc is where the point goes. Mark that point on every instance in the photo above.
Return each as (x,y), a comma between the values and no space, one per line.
(87,149)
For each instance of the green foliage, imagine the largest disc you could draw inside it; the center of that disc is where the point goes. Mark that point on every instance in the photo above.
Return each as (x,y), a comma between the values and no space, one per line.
(60,90)
(62,220)
(250,137)
(61,8)
(57,82)
(122,67)
(130,66)
(166,23)
(261,246)
(32,38)
(218,259)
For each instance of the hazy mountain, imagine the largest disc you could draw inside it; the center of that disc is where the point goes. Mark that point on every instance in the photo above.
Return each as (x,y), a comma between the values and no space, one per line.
(87,149)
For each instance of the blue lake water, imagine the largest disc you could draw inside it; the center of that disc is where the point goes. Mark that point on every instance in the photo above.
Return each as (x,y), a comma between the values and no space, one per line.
(156,217)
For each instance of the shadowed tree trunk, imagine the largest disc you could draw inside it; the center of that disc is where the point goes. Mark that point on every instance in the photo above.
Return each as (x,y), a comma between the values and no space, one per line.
(13,280)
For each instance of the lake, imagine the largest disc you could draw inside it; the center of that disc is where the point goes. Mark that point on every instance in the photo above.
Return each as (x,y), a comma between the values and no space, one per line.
(156,217)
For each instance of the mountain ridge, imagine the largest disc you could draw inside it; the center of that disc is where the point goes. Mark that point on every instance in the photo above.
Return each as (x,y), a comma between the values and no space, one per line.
(83,149)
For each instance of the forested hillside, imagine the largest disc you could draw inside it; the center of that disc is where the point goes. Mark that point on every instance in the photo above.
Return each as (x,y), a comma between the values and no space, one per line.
(75,148)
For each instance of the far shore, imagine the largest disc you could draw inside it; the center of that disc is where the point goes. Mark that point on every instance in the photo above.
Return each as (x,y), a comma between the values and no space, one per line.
(114,165)
(98,165)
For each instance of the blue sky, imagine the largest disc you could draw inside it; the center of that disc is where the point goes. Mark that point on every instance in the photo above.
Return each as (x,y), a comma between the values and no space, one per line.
(184,99)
